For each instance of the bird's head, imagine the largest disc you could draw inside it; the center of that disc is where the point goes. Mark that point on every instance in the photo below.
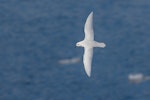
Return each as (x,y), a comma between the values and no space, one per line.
(78,44)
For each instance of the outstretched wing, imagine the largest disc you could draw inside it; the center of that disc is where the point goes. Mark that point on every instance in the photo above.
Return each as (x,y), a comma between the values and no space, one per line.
(88,28)
(87,60)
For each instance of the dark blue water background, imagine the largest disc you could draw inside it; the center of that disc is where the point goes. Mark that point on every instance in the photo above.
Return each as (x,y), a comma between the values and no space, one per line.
(36,34)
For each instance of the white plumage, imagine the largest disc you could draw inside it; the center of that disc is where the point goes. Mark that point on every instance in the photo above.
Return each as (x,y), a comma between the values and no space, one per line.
(88,43)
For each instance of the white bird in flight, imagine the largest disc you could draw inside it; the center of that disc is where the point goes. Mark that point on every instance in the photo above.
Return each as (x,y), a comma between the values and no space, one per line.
(88,43)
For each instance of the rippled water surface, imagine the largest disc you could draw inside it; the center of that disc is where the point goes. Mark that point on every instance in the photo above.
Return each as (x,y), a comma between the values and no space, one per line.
(36,34)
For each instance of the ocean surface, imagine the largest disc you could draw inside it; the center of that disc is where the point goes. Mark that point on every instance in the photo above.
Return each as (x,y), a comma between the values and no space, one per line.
(36,34)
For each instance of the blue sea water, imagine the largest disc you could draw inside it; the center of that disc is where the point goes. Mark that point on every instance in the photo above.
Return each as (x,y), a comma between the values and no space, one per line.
(36,34)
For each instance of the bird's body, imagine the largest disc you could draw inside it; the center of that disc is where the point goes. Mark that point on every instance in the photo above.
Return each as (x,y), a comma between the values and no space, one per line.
(88,43)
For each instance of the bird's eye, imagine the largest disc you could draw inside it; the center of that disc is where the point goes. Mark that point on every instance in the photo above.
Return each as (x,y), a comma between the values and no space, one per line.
(77,44)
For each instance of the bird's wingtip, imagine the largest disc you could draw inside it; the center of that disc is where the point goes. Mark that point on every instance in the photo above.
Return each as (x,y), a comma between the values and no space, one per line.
(88,74)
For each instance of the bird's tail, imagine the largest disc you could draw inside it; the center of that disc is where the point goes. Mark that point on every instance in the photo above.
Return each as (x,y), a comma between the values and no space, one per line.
(102,45)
